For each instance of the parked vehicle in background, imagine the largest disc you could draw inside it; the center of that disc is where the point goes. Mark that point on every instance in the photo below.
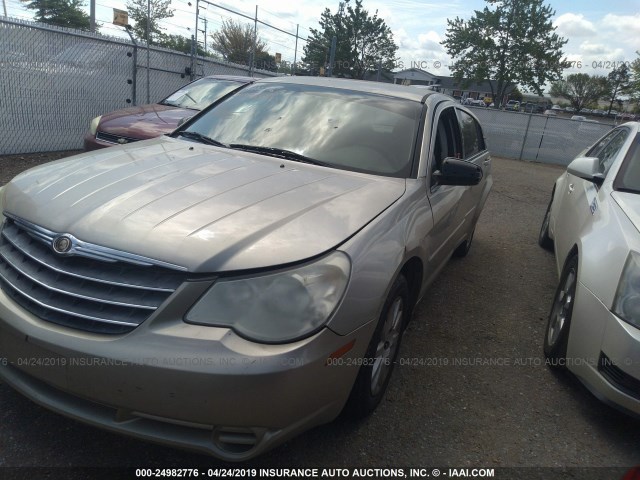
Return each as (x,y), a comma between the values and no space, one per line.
(265,258)
(569,109)
(531,107)
(148,121)
(593,223)
(512,105)
(599,113)
(556,107)
(580,118)
(550,113)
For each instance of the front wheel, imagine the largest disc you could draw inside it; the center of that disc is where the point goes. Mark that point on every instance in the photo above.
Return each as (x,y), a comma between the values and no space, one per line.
(557,334)
(375,372)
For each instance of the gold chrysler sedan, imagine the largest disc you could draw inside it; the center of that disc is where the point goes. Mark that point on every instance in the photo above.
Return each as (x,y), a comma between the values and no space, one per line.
(250,276)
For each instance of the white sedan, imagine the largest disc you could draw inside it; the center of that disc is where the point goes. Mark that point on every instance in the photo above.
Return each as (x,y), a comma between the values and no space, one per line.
(593,222)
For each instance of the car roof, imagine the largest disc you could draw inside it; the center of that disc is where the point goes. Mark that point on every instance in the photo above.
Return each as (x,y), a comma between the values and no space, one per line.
(380,88)
(234,78)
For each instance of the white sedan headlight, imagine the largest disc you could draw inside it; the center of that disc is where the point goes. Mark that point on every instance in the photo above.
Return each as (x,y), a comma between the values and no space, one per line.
(93,126)
(278,307)
(627,302)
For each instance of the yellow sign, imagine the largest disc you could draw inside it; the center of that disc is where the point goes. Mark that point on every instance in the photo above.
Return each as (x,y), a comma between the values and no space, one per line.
(120,17)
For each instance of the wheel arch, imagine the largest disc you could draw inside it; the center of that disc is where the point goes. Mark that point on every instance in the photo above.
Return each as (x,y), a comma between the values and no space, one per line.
(412,271)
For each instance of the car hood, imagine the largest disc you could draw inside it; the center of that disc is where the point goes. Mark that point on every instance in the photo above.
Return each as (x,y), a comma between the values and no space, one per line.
(145,121)
(630,205)
(205,208)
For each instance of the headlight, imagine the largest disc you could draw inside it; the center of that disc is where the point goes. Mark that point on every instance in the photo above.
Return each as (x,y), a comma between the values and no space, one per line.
(278,307)
(93,127)
(627,302)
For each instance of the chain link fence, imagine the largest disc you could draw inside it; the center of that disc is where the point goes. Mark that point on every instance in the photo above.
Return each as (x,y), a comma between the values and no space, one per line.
(54,81)
(537,138)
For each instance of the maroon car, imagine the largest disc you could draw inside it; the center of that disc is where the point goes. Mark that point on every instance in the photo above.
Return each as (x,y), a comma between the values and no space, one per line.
(148,121)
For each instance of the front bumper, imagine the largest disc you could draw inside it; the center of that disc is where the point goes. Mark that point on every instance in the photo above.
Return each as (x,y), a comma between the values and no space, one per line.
(604,352)
(189,386)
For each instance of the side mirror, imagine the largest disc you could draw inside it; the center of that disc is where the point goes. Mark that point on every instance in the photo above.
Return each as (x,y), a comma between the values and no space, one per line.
(458,172)
(587,168)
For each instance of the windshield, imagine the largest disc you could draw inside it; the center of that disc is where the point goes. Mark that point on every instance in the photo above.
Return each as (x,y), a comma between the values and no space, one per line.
(629,177)
(201,93)
(341,128)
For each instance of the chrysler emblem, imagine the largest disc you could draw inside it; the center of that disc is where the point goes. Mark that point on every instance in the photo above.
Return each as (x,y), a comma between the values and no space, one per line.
(62,244)
(122,141)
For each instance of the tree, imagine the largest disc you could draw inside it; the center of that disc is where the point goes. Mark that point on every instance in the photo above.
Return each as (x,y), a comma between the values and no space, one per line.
(234,42)
(178,43)
(581,89)
(618,82)
(516,94)
(63,13)
(363,41)
(159,9)
(634,86)
(513,43)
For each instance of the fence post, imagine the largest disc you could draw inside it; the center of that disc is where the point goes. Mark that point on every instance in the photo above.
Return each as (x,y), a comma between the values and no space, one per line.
(544,129)
(134,68)
(148,45)
(526,133)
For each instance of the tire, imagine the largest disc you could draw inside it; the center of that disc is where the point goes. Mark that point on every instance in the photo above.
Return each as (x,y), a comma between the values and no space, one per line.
(374,375)
(462,249)
(559,323)
(544,240)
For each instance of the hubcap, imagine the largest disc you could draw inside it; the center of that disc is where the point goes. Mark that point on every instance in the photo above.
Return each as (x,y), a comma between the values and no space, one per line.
(562,307)
(387,346)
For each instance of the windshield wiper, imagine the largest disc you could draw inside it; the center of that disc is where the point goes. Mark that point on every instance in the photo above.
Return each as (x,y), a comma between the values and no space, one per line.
(279,153)
(170,104)
(202,138)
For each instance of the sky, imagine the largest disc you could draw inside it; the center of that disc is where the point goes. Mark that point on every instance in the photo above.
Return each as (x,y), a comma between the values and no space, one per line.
(601,33)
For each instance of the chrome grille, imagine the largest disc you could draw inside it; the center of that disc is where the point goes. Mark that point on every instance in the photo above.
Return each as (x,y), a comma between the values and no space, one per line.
(117,139)
(95,289)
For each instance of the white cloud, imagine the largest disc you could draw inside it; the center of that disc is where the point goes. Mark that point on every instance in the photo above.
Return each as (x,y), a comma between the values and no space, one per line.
(626,24)
(572,25)
(591,48)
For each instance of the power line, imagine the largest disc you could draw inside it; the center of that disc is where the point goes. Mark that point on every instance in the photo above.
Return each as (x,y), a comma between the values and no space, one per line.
(253,18)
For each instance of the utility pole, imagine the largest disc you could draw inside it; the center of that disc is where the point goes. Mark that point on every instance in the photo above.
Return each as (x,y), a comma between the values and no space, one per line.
(253,46)
(295,53)
(197,27)
(332,55)
(205,34)
(92,15)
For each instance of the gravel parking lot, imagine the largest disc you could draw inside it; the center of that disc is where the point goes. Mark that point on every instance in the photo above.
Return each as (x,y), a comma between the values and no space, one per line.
(470,391)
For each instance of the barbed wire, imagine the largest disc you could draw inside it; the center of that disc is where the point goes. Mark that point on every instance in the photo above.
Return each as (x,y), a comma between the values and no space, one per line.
(215,14)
